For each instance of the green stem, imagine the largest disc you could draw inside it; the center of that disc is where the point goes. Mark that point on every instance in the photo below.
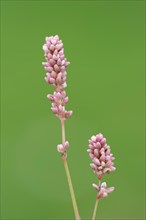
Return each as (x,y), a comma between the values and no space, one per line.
(74,203)
(95,209)
(96,203)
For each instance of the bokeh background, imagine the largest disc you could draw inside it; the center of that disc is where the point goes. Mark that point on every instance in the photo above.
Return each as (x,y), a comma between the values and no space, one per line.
(104,41)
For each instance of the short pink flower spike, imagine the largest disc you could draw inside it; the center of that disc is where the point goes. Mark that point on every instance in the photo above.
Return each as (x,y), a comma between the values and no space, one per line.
(102,162)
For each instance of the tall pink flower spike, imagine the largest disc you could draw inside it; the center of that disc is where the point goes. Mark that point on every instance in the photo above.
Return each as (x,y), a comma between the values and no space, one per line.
(55,67)
(102,163)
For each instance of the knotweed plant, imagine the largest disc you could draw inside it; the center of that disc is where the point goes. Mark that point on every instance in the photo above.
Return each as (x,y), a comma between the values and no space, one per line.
(102,163)
(102,160)
(55,67)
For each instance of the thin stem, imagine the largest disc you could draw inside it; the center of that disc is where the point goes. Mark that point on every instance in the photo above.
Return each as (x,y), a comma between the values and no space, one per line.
(96,203)
(71,191)
(63,131)
(99,182)
(95,208)
(76,212)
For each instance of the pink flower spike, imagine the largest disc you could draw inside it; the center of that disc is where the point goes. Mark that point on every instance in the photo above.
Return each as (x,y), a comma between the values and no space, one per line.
(100,155)
(59,100)
(56,62)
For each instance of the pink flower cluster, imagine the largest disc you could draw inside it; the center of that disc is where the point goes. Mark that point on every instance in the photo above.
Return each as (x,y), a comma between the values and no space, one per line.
(55,67)
(56,62)
(59,100)
(63,147)
(102,162)
(102,189)
(99,152)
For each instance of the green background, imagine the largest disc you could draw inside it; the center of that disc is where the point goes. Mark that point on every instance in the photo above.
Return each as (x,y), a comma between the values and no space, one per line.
(104,41)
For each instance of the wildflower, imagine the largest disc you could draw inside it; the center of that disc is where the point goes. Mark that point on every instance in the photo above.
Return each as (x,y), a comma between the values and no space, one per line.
(101,156)
(55,67)
(59,100)
(61,148)
(102,189)
(56,62)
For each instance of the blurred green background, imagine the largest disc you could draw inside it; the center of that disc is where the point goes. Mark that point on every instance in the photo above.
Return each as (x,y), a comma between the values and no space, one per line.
(104,41)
